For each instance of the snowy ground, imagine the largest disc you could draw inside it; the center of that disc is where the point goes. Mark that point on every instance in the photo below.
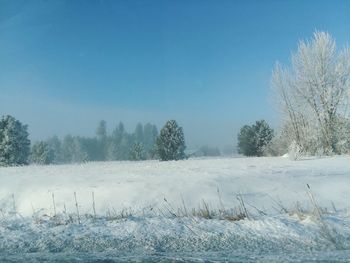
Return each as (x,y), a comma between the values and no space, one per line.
(151,232)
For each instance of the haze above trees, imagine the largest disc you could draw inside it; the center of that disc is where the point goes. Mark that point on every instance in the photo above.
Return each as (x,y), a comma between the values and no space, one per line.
(312,94)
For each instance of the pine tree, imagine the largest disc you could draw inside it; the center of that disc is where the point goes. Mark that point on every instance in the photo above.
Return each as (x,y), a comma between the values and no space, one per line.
(101,130)
(150,136)
(67,149)
(252,140)
(139,134)
(263,136)
(101,133)
(79,154)
(137,152)
(114,144)
(14,142)
(42,153)
(246,141)
(171,142)
(55,145)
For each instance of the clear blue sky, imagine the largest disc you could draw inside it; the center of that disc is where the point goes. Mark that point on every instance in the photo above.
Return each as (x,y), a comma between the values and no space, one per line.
(66,64)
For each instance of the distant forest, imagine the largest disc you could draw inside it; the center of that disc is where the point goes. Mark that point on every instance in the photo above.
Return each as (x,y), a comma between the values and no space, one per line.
(144,143)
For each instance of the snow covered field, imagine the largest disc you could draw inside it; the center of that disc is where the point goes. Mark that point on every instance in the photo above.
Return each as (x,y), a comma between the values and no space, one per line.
(151,232)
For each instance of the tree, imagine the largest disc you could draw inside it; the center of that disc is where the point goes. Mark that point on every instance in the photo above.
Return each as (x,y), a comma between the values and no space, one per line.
(246,141)
(42,153)
(314,93)
(67,149)
(209,151)
(101,133)
(101,130)
(55,145)
(252,140)
(137,152)
(139,137)
(150,136)
(171,142)
(14,142)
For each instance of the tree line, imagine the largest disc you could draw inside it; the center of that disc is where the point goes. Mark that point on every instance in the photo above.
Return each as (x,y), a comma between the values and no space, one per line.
(313,96)
(143,144)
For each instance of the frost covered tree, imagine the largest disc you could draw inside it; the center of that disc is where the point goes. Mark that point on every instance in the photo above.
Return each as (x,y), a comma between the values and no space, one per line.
(101,133)
(253,140)
(41,153)
(101,130)
(55,145)
(73,150)
(206,150)
(171,142)
(120,144)
(114,150)
(150,133)
(139,136)
(137,152)
(79,154)
(314,94)
(14,142)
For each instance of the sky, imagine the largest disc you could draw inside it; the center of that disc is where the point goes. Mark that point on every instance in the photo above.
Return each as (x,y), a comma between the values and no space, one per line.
(65,65)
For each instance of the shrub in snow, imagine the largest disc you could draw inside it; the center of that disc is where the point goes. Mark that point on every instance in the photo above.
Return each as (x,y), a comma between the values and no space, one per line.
(252,140)
(171,142)
(42,153)
(14,142)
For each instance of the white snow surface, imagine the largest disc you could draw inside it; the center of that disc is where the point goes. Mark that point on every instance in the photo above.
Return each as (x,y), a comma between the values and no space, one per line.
(27,225)
(136,185)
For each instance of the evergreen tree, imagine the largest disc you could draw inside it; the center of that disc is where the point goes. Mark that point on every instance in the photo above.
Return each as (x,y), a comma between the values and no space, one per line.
(115,148)
(137,152)
(263,135)
(73,150)
(42,153)
(67,149)
(101,130)
(55,145)
(246,141)
(252,140)
(101,133)
(171,142)
(79,154)
(14,142)
(139,135)
(150,133)
(206,150)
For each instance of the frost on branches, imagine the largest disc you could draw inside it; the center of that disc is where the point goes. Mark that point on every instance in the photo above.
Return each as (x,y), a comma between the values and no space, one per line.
(314,95)
(137,152)
(42,153)
(14,142)
(171,142)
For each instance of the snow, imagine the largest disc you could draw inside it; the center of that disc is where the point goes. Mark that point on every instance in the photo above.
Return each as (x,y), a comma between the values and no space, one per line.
(141,187)
(120,185)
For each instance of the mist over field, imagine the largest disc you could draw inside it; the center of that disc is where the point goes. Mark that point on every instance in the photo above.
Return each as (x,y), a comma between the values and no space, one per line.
(174,131)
